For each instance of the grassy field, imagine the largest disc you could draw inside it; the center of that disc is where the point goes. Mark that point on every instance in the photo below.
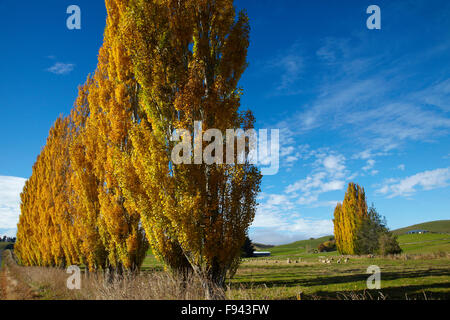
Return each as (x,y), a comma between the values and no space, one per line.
(3,245)
(422,271)
(440,226)
(295,271)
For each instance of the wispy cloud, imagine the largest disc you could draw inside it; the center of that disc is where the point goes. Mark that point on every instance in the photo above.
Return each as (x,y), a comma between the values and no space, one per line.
(278,222)
(426,180)
(288,66)
(329,174)
(369,167)
(10,189)
(61,68)
(364,96)
(437,94)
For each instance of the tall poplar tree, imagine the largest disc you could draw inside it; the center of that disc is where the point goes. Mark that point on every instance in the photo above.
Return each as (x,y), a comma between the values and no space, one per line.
(188,57)
(348,219)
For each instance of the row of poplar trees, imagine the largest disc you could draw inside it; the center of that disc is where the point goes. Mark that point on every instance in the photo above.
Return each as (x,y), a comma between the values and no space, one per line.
(104,187)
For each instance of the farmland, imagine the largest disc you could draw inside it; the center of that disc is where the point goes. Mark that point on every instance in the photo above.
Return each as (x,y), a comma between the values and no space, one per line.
(294,271)
(422,271)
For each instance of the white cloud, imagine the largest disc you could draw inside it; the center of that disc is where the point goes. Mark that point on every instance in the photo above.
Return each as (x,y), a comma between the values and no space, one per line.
(288,65)
(277,222)
(363,96)
(10,189)
(369,165)
(277,199)
(333,49)
(61,68)
(437,94)
(426,180)
(401,167)
(295,230)
(334,164)
(291,66)
(9,232)
(334,185)
(329,174)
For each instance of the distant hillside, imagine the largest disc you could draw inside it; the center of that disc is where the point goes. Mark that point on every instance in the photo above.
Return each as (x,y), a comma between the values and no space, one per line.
(260,246)
(302,246)
(440,226)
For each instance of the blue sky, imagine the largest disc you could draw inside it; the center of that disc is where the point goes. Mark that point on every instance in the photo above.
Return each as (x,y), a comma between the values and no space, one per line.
(352,104)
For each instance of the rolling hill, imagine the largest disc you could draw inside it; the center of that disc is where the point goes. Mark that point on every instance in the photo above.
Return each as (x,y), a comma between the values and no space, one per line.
(439,226)
(410,243)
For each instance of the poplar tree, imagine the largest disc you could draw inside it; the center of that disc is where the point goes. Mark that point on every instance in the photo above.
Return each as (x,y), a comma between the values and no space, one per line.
(188,57)
(348,219)
(112,101)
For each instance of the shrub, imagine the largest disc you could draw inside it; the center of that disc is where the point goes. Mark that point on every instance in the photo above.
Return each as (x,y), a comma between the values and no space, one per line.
(327,246)
(387,244)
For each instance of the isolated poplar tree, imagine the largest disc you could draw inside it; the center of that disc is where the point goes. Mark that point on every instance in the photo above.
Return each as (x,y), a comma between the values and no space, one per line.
(348,219)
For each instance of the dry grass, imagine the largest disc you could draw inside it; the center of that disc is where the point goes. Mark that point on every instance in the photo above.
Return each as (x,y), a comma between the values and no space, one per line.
(419,256)
(305,280)
(51,283)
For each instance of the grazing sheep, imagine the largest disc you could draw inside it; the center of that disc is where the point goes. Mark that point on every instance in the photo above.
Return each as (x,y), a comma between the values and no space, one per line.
(346,260)
(288,261)
(339,261)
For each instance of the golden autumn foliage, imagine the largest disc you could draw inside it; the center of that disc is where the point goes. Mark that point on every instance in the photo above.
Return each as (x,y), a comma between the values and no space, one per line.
(189,57)
(105,186)
(348,219)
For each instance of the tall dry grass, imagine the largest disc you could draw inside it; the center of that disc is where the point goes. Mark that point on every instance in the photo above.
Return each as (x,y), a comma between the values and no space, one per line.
(51,283)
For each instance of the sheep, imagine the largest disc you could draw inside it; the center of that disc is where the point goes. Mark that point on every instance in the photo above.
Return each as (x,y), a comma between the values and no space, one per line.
(346,260)
(339,261)
(288,261)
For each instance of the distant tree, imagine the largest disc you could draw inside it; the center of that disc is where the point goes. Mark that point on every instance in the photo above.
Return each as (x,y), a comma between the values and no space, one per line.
(348,218)
(374,237)
(369,232)
(327,246)
(247,249)
(388,244)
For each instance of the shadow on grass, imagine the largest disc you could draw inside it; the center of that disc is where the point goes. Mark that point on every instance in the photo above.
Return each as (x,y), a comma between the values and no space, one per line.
(410,292)
(328,280)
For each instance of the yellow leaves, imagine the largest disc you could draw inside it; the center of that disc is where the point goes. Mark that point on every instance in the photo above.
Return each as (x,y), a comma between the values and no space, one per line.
(157,71)
(348,217)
